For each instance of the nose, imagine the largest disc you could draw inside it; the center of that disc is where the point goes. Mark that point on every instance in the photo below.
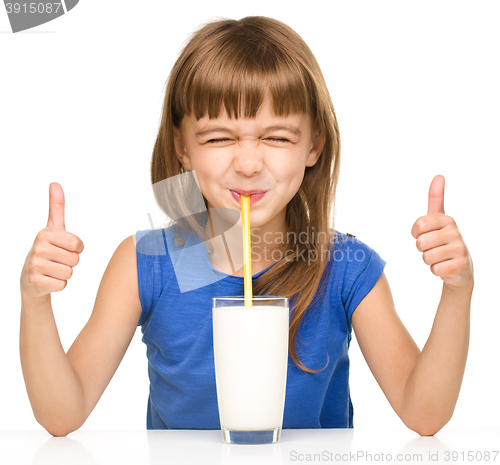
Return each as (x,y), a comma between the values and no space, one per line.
(248,159)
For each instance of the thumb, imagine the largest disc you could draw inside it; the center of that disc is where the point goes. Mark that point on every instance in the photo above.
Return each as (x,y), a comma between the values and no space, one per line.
(56,207)
(436,195)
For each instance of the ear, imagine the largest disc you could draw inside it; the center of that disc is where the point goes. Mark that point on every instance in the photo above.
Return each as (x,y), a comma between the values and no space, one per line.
(317,145)
(180,149)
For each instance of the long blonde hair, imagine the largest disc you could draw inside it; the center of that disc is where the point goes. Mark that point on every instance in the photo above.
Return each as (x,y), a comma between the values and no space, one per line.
(235,63)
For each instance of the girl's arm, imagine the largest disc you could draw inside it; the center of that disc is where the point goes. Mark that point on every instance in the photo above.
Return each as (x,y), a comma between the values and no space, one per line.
(423,387)
(432,389)
(64,388)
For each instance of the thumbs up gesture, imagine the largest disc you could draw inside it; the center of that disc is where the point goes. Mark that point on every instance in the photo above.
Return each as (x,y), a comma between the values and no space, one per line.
(440,241)
(54,254)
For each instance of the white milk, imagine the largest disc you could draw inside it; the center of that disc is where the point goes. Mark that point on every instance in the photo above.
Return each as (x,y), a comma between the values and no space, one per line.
(251,355)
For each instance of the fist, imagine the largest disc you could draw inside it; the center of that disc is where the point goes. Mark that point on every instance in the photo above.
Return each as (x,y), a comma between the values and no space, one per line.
(440,241)
(54,254)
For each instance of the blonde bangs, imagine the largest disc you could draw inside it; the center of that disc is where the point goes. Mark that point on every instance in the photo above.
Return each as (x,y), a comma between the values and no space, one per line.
(238,76)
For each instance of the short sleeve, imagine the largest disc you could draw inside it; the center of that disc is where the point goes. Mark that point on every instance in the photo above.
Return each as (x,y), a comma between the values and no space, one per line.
(363,268)
(150,249)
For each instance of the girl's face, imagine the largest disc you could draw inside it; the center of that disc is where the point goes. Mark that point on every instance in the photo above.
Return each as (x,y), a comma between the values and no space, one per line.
(265,154)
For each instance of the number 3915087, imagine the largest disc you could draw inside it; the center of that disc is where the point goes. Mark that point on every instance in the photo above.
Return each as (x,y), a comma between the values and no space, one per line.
(33,7)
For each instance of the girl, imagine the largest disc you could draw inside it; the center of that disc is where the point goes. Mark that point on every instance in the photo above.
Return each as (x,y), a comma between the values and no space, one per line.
(246,111)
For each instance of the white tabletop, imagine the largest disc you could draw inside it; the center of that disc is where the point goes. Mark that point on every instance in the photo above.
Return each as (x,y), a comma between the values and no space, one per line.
(205,447)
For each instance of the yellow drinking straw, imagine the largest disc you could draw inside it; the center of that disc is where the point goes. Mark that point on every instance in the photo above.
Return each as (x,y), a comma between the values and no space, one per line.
(247,266)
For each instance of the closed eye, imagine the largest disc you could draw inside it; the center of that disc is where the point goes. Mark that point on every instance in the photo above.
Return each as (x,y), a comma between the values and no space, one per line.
(274,139)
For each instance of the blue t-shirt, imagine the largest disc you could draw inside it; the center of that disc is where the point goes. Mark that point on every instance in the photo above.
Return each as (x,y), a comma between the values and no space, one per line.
(176,285)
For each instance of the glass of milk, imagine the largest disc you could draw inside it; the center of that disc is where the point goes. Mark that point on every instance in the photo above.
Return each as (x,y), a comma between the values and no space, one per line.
(251,356)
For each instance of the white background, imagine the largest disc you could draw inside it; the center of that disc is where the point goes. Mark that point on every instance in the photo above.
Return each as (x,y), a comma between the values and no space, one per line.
(415,89)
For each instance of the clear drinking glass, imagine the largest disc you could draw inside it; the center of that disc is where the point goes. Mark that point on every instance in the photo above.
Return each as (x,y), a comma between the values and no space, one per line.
(251,356)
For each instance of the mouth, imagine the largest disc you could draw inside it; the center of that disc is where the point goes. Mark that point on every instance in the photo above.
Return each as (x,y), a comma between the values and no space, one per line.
(255,196)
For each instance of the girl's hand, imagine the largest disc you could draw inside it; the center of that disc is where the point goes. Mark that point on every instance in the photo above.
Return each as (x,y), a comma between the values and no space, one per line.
(440,241)
(55,252)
